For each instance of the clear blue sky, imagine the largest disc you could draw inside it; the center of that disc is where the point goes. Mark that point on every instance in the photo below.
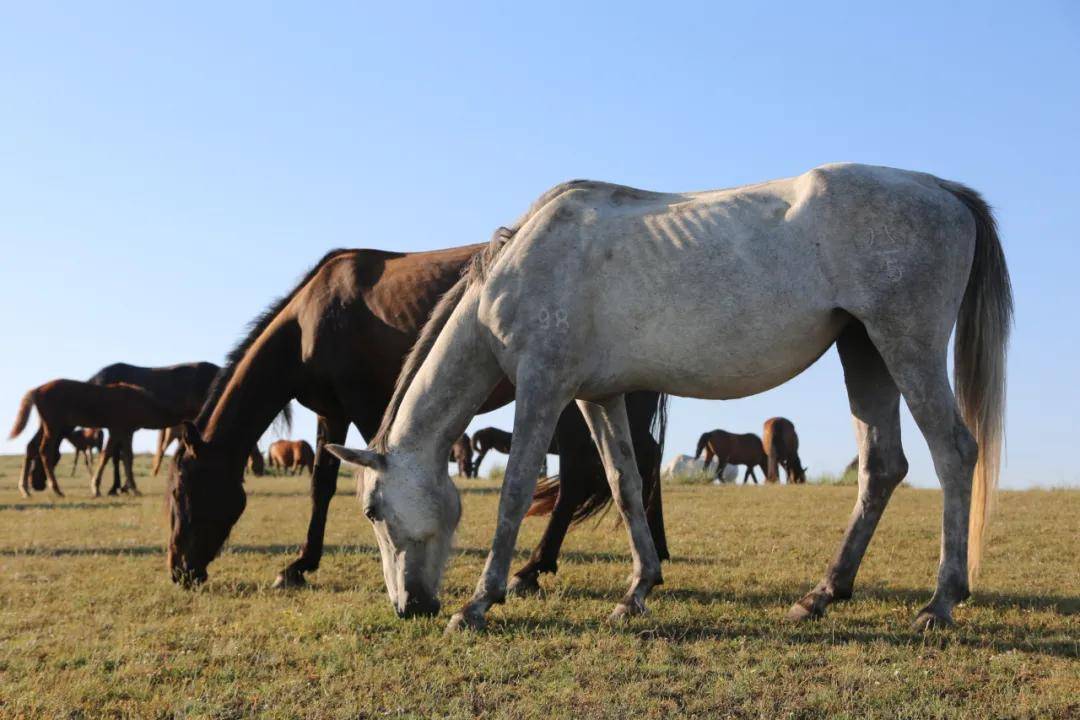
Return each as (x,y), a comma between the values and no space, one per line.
(166,171)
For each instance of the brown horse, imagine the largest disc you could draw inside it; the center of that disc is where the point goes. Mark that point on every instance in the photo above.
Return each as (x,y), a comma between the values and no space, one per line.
(64,404)
(782,446)
(731,449)
(85,441)
(461,453)
(179,387)
(336,344)
(291,455)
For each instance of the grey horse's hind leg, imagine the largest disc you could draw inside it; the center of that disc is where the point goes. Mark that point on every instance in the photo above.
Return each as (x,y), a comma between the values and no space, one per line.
(875,411)
(537,410)
(920,368)
(610,429)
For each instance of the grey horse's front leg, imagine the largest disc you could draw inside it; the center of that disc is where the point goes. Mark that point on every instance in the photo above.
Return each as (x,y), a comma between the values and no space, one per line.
(537,411)
(611,431)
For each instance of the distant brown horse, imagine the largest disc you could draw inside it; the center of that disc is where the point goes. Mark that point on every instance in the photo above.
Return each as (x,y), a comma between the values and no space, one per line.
(492,438)
(85,441)
(64,404)
(782,446)
(292,456)
(731,449)
(461,452)
(336,343)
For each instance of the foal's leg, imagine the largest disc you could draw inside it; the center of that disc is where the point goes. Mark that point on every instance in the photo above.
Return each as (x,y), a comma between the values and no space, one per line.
(479,459)
(103,460)
(75,465)
(129,459)
(875,411)
(610,429)
(537,410)
(49,455)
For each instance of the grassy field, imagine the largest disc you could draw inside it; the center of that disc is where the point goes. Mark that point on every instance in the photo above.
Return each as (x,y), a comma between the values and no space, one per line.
(91,627)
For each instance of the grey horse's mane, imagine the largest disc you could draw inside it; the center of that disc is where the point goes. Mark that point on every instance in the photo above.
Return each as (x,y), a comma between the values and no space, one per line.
(475,273)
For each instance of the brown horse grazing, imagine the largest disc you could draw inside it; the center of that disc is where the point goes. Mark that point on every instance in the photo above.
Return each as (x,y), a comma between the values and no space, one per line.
(64,404)
(731,449)
(336,344)
(782,446)
(461,453)
(179,387)
(291,455)
(85,441)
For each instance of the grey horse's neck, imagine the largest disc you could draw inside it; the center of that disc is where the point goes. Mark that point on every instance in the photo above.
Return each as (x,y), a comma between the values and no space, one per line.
(453,381)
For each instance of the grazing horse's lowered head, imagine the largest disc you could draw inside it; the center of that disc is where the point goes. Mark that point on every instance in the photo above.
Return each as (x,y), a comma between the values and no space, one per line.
(414,529)
(201,512)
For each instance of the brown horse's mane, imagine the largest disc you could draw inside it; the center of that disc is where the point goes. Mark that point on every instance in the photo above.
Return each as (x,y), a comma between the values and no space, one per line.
(254,329)
(475,272)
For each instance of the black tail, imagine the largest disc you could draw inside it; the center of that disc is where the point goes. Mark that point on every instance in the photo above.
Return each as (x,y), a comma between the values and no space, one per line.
(599,493)
(701,443)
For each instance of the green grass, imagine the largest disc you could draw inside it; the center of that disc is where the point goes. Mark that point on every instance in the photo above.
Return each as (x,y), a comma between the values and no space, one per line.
(91,627)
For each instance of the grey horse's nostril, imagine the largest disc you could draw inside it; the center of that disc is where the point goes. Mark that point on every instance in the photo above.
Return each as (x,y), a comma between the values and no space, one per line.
(371,513)
(419,607)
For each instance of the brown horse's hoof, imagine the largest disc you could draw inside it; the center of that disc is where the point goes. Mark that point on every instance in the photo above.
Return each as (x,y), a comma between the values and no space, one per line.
(24,492)
(523,586)
(929,620)
(288,579)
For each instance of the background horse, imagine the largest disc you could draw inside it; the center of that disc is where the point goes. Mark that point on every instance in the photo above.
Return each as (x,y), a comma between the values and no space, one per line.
(731,449)
(291,456)
(587,297)
(63,404)
(461,452)
(85,441)
(336,344)
(782,446)
(492,438)
(180,388)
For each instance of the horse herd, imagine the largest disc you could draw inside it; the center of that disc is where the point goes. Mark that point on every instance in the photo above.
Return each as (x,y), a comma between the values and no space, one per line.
(597,302)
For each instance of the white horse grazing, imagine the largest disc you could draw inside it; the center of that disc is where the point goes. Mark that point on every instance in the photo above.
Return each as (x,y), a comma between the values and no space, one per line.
(602,289)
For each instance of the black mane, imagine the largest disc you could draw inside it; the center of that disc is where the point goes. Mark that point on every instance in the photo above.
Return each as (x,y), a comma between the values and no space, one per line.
(255,328)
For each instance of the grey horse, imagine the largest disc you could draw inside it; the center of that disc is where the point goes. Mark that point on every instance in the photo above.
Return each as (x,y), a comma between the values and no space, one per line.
(600,290)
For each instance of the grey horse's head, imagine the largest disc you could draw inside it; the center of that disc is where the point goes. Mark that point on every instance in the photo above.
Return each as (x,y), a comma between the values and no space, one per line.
(414,510)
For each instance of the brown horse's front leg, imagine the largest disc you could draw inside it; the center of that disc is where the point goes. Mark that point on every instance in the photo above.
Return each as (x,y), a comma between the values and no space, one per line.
(323,487)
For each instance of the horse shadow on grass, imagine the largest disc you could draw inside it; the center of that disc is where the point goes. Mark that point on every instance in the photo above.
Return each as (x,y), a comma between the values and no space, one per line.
(65,505)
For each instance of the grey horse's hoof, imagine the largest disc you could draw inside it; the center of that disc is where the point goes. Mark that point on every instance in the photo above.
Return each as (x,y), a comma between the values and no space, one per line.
(464,621)
(811,607)
(626,610)
(929,620)
(523,586)
(287,579)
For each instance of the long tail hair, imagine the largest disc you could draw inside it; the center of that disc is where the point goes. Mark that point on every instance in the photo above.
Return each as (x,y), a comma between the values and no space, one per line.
(982,338)
(24,413)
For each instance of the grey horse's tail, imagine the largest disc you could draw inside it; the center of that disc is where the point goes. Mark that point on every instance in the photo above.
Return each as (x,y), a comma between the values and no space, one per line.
(982,338)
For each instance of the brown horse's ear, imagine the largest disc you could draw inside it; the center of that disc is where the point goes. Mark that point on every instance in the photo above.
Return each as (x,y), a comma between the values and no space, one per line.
(192,438)
(366,458)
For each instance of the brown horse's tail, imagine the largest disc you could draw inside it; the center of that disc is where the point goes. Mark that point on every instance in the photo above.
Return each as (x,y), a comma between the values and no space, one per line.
(979,359)
(701,443)
(23,415)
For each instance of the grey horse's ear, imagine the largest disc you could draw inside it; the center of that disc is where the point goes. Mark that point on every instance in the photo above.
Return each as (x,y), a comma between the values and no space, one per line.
(366,458)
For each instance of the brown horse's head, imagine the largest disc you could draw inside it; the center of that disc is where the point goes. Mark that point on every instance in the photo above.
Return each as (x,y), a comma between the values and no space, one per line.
(206,498)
